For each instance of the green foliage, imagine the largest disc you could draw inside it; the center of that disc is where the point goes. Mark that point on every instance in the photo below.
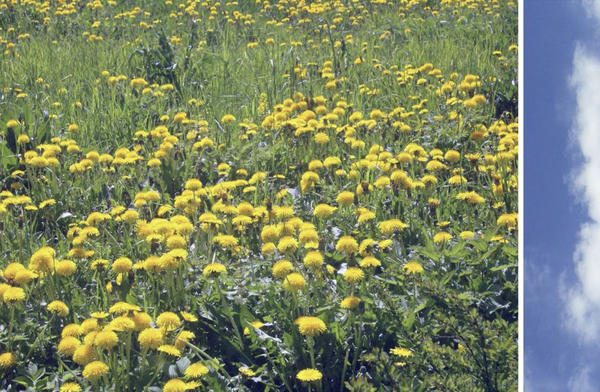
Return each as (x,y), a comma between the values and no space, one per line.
(142,131)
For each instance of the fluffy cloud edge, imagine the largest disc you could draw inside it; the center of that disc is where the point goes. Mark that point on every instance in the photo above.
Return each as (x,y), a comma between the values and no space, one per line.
(582,299)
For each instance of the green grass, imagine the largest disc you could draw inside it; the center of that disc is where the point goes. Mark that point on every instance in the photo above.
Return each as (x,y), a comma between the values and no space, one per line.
(408,60)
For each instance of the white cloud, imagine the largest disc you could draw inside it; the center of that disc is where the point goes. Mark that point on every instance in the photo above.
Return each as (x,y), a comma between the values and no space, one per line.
(593,8)
(581,381)
(583,299)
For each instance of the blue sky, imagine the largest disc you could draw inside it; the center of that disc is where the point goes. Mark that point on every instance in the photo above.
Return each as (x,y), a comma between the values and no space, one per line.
(562,330)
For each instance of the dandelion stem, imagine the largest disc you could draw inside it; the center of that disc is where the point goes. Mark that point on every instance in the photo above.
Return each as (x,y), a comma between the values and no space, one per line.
(344,369)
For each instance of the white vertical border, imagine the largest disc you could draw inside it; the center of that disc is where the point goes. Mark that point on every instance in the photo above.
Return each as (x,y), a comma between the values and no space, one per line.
(521,267)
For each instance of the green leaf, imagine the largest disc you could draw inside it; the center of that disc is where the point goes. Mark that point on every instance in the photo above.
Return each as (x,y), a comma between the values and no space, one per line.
(448,277)
(458,250)
(487,254)
(429,253)
(409,321)
(8,159)
(510,250)
(503,267)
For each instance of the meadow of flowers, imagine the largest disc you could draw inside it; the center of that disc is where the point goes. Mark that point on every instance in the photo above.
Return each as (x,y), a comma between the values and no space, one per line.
(258,195)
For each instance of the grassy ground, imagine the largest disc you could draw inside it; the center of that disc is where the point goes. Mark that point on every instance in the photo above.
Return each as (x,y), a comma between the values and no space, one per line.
(297,195)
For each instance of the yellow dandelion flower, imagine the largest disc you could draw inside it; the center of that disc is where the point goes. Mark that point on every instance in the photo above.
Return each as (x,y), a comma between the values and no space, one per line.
(190,385)
(413,267)
(213,270)
(70,387)
(311,326)
(11,270)
(470,197)
(106,339)
(93,371)
(119,307)
(121,324)
(389,227)
(366,216)
(226,241)
(65,267)
(354,275)
(282,268)
(189,317)
(350,303)
(84,354)
(170,350)
(42,260)
(12,123)
(323,211)
(72,330)
(294,281)
(499,238)
(138,83)
(345,198)
(150,338)
(287,244)
(313,259)
(347,244)
(452,156)
(13,295)
(3,288)
(154,162)
(168,320)
(142,320)
(401,352)
(7,360)
(268,248)
(370,262)
(122,265)
(182,338)
(195,370)
(269,233)
(90,337)
(246,371)
(227,119)
(467,235)
(309,375)
(308,236)
(367,247)
(508,220)
(176,241)
(330,162)
(457,180)
(442,237)
(68,345)
(58,307)
(25,276)
(98,264)
(99,315)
